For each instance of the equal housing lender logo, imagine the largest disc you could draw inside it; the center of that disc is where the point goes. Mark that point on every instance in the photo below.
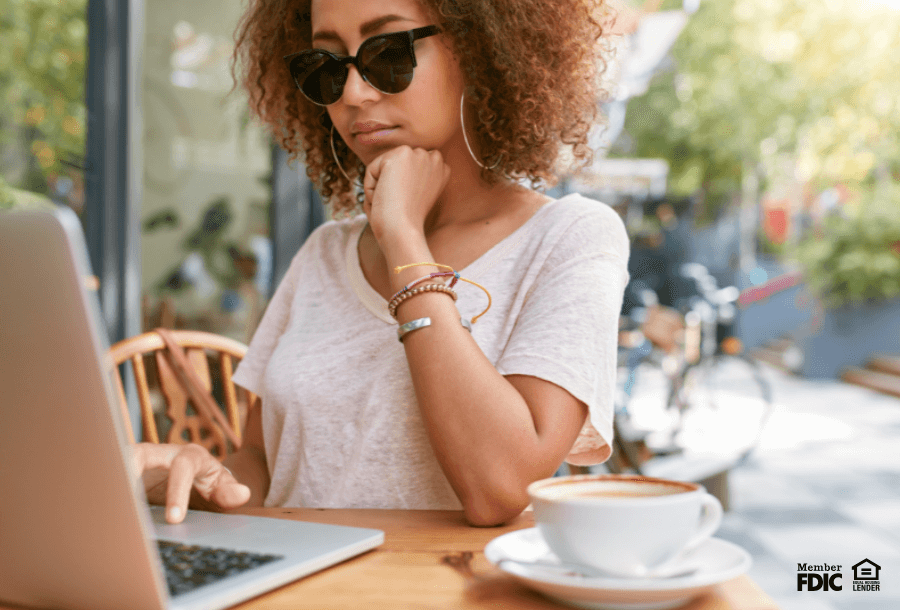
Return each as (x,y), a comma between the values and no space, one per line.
(827,577)
(866,575)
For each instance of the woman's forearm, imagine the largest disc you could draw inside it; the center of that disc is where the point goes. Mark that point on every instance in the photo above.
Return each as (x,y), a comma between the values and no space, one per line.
(484,432)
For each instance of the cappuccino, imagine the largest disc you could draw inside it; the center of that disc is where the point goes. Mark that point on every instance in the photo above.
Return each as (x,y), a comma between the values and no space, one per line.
(622,493)
(611,486)
(626,525)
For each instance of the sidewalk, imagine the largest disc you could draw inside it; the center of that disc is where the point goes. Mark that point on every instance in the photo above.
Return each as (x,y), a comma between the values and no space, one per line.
(822,488)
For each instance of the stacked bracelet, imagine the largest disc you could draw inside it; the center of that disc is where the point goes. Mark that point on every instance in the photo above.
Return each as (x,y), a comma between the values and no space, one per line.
(402,296)
(430,276)
(449,273)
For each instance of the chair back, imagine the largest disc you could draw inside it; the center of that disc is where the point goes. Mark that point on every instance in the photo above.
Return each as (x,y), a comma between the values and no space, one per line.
(167,409)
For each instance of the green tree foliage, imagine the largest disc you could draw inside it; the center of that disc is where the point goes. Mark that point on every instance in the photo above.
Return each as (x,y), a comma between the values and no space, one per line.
(15,198)
(42,72)
(855,256)
(805,91)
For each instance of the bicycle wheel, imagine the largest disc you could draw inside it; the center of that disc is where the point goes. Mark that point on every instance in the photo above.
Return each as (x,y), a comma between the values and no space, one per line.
(645,392)
(726,402)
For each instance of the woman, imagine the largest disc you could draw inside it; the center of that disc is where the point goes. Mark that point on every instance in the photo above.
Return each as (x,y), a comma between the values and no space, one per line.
(441,110)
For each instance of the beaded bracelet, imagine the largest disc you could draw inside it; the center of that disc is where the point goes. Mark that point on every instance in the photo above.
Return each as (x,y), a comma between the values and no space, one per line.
(395,302)
(456,276)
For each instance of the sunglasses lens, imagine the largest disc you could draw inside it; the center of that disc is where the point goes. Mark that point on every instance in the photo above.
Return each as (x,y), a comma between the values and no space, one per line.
(319,76)
(387,63)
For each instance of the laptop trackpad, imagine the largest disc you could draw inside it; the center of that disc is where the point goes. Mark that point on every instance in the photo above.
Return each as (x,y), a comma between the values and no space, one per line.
(198,526)
(262,534)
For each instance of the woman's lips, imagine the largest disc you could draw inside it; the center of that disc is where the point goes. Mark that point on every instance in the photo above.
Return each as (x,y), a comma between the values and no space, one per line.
(374,135)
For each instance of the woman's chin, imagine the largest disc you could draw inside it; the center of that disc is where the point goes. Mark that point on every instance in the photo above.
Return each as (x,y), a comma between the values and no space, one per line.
(370,152)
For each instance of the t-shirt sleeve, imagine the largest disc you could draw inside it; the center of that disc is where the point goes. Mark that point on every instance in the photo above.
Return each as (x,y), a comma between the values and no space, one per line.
(567,330)
(250,371)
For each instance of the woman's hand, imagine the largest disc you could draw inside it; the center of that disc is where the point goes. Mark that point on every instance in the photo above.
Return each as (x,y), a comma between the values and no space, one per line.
(401,186)
(170,472)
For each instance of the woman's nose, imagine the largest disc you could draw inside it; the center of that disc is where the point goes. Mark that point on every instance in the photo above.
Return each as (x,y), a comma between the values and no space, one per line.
(357,90)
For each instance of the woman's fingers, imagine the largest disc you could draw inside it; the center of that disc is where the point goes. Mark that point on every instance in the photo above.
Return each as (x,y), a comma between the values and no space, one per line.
(228,492)
(180,468)
(188,467)
(370,181)
(148,456)
(401,186)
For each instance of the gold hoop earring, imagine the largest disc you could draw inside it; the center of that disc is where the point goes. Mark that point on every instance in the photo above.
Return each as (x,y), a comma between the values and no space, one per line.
(462,121)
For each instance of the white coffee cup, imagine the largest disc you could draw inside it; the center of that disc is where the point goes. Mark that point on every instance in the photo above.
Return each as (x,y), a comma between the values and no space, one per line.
(624,525)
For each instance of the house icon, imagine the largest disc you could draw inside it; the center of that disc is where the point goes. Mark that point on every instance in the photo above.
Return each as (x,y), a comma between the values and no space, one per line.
(866,570)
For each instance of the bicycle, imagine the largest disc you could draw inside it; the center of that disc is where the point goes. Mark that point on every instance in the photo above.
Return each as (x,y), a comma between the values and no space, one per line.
(715,398)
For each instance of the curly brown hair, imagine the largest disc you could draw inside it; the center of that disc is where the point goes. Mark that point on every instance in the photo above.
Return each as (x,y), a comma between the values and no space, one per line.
(531,67)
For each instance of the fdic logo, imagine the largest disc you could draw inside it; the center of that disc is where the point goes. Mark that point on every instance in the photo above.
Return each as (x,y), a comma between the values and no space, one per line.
(819,577)
(825,577)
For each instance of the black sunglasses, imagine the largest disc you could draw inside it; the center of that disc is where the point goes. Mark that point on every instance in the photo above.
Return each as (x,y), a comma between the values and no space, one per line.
(385,61)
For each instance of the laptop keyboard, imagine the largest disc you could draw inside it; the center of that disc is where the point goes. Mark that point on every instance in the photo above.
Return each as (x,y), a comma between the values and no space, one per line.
(190,566)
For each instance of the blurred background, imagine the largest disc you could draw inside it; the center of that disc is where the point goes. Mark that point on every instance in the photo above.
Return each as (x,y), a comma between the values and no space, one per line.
(761,139)
(124,110)
(758,139)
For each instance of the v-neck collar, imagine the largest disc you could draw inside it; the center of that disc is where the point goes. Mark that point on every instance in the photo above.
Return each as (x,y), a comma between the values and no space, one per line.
(368,296)
(377,305)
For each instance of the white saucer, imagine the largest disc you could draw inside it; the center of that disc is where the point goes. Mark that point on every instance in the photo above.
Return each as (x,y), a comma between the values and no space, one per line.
(716,561)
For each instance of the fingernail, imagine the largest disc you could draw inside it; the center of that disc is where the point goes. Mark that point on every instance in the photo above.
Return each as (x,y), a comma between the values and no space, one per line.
(174,513)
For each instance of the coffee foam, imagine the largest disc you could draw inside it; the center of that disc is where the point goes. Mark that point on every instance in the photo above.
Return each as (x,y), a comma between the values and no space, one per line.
(610,489)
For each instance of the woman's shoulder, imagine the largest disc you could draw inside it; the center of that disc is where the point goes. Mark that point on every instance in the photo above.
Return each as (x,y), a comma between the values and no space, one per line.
(576,205)
(332,234)
(339,229)
(327,242)
(583,220)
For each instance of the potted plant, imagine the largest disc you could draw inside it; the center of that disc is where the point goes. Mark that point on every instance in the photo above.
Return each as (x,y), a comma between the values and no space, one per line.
(214,268)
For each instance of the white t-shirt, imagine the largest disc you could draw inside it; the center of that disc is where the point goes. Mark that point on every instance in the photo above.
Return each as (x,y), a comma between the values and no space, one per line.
(340,419)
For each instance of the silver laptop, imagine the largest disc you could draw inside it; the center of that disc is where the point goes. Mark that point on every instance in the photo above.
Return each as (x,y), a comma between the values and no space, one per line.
(75,529)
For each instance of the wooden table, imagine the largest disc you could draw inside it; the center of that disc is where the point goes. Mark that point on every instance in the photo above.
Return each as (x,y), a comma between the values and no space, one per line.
(432,559)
